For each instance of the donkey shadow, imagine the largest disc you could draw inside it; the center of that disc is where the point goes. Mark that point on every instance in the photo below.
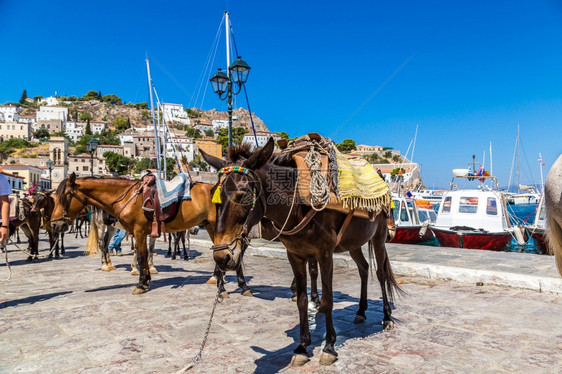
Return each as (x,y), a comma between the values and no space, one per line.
(276,360)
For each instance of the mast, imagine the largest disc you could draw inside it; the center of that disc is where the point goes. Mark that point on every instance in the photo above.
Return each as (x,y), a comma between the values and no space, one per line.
(491,164)
(542,181)
(227,25)
(518,161)
(156,136)
(414,147)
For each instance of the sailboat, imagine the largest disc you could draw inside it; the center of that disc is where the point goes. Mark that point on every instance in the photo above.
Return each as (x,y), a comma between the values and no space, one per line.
(525,195)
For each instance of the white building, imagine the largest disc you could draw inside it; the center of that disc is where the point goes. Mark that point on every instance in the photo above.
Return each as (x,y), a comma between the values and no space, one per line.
(184,147)
(126,137)
(49,101)
(74,130)
(48,113)
(219,124)
(175,112)
(261,136)
(97,127)
(29,119)
(9,113)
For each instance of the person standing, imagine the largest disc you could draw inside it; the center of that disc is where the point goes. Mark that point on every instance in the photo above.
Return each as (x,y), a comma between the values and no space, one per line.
(118,237)
(5,191)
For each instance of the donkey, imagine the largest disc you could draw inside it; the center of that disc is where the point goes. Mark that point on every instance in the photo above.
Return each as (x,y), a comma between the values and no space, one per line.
(250,193)
(553,207)
(43,205)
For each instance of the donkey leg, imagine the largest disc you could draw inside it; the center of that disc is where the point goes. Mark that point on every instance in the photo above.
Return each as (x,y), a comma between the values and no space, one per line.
(219,276)
(363,267)
(313,271)
(242,281)
(384,276)
(151,267)
(329,355)
(294,289)
(186,253)
(62,243)
(134,268)
(299,270)
(169,246)
(142,256)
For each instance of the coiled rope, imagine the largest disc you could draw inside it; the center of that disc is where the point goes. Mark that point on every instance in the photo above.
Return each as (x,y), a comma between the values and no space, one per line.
(319,189)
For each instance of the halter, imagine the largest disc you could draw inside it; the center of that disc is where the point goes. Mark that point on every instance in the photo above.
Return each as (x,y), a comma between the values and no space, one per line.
(225,171)
(72,193)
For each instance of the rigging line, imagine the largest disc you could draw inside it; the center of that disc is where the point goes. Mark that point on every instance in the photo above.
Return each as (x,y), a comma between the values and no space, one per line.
(375,92)
(209,69)
(245,92)
(205,71)
(528,166)
(251,117)
(167,133)
(172,78)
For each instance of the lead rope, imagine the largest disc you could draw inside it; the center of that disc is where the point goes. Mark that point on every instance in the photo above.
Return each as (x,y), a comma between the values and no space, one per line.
(197,357)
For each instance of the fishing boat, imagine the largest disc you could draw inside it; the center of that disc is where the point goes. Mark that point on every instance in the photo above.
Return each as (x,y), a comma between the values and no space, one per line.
(536,230)
(410,216)
(474,218)
(433,196)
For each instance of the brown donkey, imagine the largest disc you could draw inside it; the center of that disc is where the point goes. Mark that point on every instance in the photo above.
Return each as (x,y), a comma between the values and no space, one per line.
(264,187)
(121,198)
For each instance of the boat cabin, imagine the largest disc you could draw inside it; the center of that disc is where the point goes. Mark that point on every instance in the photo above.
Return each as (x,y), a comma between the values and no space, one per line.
(407,212)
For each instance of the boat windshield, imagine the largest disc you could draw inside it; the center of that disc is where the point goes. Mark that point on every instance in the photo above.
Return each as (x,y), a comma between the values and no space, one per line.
(468,205)
(491,206)
(426,215)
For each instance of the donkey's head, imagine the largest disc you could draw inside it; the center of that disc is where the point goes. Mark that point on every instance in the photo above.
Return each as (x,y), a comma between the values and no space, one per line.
(239,201)
(69,202)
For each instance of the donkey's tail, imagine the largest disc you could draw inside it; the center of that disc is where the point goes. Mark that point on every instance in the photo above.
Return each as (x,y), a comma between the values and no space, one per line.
(92,246)
(384,271)
(554,237)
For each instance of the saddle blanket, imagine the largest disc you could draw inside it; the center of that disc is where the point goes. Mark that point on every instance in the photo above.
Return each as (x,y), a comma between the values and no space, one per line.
(177,189)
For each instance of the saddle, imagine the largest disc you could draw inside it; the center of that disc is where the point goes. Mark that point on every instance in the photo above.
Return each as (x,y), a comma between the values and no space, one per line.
(161,199)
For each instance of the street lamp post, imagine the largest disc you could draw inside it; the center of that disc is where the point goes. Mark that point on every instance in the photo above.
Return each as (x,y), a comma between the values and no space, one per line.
(50,166)
(91,146)
(222,83)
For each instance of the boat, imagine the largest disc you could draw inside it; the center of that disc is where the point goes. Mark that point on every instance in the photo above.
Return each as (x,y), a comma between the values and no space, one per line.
(525,195)
(536,230)
(410,216)
(433,196)
(474,218)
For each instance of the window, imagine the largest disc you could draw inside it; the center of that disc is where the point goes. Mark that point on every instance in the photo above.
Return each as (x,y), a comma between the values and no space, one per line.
(85,168)
(403,213)
(491,206)
(468,205)
(77,168)
(446,205)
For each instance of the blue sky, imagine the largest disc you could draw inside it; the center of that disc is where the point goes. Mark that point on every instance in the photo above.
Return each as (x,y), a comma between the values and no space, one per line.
(466,72)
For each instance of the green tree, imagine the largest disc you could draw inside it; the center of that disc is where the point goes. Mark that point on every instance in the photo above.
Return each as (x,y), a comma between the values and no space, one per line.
(387,148)
(283,135)
(191,132)
(210,133)
(120,123)
(198,162)
(112,99)
(237,136)
(347,146)
(23,97)
(141,106)
(88,129)
(42,134)
(38,97)
(396,174)
(117,163)
(84,116)
(91,95)
(9,146)
(150,163)
(192,113)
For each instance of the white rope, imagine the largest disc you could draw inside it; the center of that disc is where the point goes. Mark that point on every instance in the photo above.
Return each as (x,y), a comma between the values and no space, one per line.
(319,189)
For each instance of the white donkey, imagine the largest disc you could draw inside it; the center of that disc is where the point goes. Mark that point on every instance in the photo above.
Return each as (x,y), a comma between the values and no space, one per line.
(553,206)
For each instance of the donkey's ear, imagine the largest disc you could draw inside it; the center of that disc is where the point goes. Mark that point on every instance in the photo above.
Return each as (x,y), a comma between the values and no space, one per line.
(260,157)
(72,179)
(215,162)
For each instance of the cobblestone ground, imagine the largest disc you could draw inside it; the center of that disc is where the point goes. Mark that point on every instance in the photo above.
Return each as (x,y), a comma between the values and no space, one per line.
(66,316)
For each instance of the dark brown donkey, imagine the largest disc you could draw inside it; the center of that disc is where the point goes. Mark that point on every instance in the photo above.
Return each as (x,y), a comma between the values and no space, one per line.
(121,198)
(264,187)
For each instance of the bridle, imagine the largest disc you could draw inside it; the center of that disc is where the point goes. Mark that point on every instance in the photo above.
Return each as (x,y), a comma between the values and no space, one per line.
(255,180)
(73,194)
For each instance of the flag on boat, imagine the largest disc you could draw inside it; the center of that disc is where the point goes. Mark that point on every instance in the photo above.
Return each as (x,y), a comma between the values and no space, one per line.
(480,173)
(409,195)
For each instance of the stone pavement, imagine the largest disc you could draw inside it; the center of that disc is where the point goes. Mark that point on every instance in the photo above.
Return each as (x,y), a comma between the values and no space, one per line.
(66,316)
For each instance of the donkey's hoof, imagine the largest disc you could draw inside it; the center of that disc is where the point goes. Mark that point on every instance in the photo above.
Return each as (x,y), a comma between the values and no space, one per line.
(139,290)
(327,359)
(224,295)
(359,319)
(153,270)
(29,259)
(135,272)
(299,360)
(294,298)
(387,325)
(212,280)
(247,293)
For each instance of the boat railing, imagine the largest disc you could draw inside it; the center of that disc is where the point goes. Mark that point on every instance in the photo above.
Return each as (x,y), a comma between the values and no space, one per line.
(476,177)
